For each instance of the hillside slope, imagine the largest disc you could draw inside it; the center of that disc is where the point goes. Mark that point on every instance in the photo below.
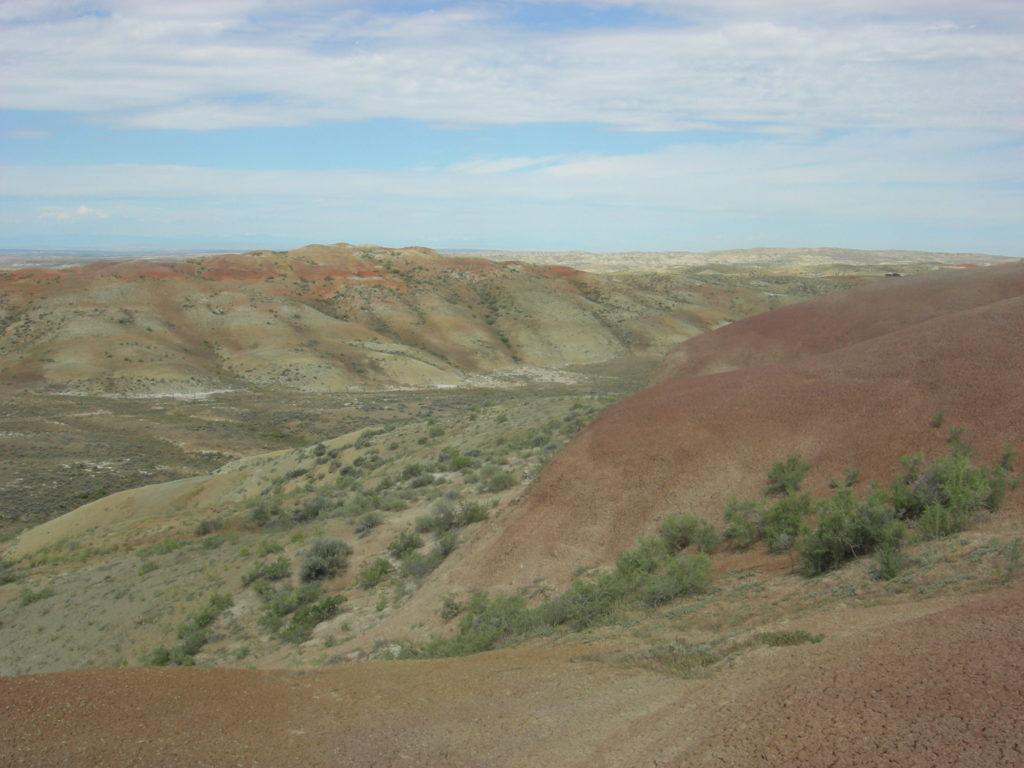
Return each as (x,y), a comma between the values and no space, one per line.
(950,342)
(333,318)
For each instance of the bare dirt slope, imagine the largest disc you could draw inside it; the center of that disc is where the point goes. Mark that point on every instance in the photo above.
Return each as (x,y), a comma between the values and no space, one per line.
(690,443)
(936,685)
(841,319)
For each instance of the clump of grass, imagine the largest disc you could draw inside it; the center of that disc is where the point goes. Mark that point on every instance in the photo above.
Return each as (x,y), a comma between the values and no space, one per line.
(29,596)
(788,637)
(163,547)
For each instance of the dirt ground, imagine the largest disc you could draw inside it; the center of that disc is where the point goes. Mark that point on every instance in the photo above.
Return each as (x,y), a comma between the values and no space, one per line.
(934,684)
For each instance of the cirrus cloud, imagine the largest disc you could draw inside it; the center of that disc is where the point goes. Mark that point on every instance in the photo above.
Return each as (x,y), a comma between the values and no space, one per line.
(776,66)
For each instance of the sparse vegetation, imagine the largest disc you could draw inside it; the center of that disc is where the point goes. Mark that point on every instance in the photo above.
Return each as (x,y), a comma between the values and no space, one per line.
(645,577)
(935,500)
(192,635)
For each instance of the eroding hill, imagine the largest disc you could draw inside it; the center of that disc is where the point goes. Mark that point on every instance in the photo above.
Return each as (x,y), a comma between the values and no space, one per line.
(334,318)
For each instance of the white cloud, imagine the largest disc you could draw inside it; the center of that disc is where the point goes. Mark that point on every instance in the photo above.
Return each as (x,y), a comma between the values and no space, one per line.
(26,134)
(780,66)
(74,214)
(885,175)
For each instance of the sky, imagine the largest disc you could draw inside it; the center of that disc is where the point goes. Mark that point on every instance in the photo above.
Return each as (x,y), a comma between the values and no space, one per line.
(603,125)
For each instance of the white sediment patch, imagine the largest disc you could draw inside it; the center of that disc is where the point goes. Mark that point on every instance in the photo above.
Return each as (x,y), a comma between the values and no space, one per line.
(203,395)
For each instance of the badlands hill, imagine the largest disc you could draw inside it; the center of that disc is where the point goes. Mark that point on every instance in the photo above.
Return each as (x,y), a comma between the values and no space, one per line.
(851,379)
(334,318)
(920,670)
(742,257)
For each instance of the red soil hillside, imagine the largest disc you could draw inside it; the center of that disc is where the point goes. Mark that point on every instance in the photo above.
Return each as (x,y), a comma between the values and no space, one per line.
(841,319)
(690,443)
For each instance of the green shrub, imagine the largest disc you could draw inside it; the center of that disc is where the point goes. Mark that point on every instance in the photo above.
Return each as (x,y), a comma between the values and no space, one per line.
(269,547)
(272,571)
(324,558)
(889,557)
(450,608)
(416,565)
(680,531)
(366,522)
(209,526)
(300,625)
(441,518)
(192,634)
(849,479)
(493,479)
(783,521)
(743,521)
(264,511)
(786,476)
(677,576)
(372,572)
(847,529)
(311,509)
(471,512)
(406,542)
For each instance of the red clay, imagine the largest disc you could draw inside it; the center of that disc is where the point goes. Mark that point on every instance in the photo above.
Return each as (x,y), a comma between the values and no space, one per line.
(690,443)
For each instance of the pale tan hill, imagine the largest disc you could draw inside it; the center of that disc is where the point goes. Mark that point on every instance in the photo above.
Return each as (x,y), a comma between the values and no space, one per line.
(746,257)
(691,443)
(335,318)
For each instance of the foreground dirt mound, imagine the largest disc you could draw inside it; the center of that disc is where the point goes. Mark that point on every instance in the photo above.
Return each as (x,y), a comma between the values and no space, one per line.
(929,684)
(690,443)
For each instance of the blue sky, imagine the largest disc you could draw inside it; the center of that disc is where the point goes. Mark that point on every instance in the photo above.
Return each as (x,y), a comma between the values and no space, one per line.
(603,125)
